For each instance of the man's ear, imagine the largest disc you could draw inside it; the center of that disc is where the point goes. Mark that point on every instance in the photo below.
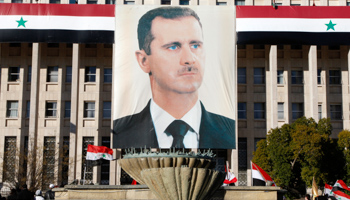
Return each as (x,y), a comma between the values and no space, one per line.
(142,59)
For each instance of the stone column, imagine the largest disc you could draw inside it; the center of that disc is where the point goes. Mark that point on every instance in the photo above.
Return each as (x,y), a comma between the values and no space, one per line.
(271,89)
(34,96)
(346,93)
(74,113)
(310,86)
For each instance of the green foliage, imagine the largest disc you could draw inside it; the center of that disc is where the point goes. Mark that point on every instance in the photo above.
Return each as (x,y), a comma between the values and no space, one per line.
(344,145)
(295,153)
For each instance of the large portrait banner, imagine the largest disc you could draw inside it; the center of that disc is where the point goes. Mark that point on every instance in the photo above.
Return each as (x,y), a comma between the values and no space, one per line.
(174,77)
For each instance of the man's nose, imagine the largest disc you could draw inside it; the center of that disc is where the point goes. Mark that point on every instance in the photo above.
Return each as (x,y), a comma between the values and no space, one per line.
(187,56)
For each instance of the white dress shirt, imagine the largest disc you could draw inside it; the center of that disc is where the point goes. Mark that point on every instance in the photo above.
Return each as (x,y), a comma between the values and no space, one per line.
(161,120)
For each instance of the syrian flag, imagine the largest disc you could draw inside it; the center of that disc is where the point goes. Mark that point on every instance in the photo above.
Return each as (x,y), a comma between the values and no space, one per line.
(309,25)
(55,23)
(340,185)
(328,190)
(260,177)
(230,178)
(339,195)
(99,152)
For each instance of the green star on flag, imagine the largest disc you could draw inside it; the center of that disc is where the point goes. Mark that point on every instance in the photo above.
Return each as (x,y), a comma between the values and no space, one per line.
(21,22)
(330,25)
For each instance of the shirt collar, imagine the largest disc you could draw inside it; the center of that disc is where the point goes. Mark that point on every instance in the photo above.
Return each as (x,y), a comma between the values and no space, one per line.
(162,119)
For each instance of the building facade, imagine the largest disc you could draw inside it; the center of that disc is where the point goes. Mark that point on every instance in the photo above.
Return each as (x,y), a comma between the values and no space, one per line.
(56,98)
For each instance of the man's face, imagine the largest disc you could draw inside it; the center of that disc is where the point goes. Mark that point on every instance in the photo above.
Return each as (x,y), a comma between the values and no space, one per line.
(177,55)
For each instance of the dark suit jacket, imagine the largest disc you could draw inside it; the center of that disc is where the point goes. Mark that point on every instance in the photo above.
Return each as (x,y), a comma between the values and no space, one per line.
(138,131)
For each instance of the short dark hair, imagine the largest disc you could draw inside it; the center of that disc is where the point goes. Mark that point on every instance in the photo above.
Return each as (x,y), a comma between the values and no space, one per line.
(144,33)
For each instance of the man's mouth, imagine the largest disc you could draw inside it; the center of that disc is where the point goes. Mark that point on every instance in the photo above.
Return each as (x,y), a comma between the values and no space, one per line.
(188,70)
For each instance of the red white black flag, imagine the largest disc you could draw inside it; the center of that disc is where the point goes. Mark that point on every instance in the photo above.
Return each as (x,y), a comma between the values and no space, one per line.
(260,177)
(309,25)
(70,23)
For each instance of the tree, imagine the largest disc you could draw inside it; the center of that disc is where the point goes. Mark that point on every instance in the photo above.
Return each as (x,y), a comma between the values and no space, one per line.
(344,145)
(296,153)
(35,166)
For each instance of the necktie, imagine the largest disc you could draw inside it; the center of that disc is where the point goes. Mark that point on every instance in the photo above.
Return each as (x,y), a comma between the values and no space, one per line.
(178,130)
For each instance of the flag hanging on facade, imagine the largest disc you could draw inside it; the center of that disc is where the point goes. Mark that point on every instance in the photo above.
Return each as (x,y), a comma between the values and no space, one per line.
(307,25)
(339,195)
(70,23)
(99,152)
(328,190)
(340,185)
(260,177)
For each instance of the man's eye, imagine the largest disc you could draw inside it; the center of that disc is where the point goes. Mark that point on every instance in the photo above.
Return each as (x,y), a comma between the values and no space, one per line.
(195,46)
(174,47)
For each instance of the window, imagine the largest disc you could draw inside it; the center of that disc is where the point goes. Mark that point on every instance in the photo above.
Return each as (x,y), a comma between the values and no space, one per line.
(221,3)
(279,76)
(280,110)
(319,79)
(73,1)
(28,109)
(184,2)
(319,111)
(89,168)
(297,110)
(165,2)
(16,1)
(90,74)
(334,77)
(242,110)
(242,161)
(55,1)
(51,109)
(12,109)
(242,76)
(107,75)
(259,110)
(106,110)
(53,45)
(68,74)
(29,76)
(67,109)
(106,141)
(9,164)
(52,74)
(336,112)
(65,160)
(91,2)
(49,161)
(110,1)
(239,2)
(129,2)
(297,77)
(259,75)
(13,74)
(89,109)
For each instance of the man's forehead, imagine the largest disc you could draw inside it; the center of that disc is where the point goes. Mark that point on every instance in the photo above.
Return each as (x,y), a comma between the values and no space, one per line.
(160,21)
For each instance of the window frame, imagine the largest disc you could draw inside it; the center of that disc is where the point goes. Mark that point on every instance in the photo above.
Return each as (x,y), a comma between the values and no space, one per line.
(296,114)
(242,110)
(334,79)
(297,79)
(90,74)
(14,75)
(259,113)
(259,79)
(51,106)
(280,112)
(52,74)
(336,114)
(88,110)
(10,109)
